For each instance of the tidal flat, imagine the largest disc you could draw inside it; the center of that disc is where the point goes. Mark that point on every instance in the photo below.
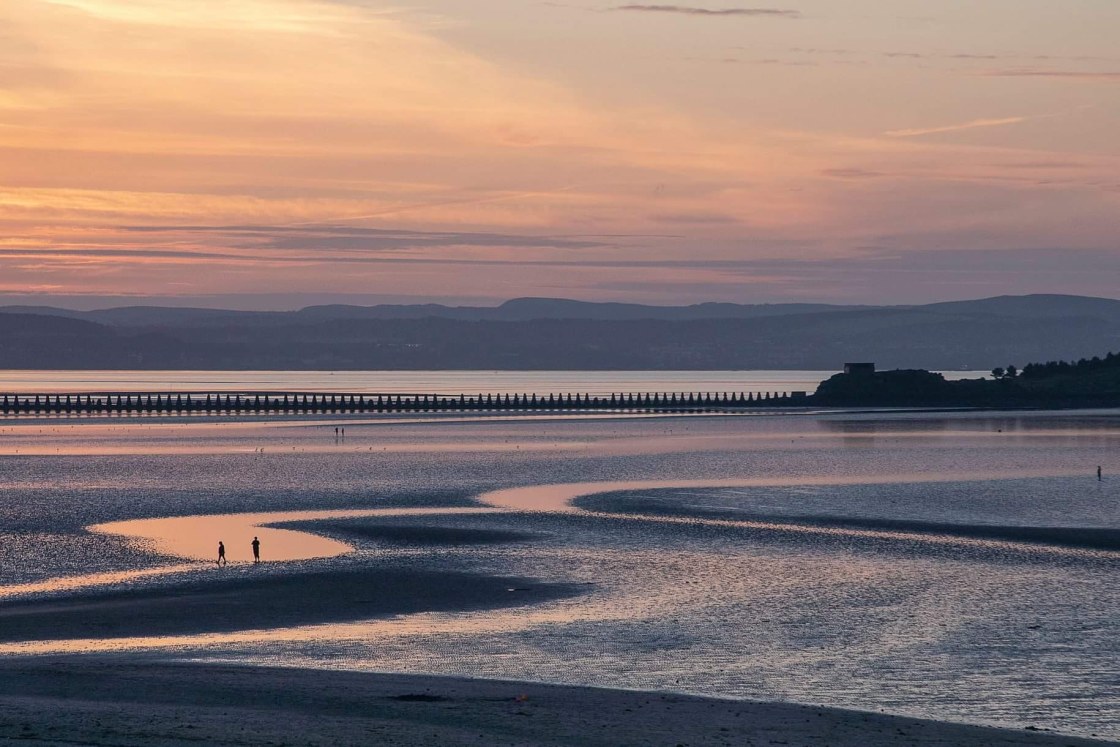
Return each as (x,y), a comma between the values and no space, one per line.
(954,568)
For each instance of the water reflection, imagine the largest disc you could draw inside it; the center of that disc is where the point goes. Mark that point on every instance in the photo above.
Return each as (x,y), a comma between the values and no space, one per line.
(197,537)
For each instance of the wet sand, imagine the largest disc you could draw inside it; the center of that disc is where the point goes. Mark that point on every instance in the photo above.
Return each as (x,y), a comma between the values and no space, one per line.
(114,701)
(241,598)
(1088,538)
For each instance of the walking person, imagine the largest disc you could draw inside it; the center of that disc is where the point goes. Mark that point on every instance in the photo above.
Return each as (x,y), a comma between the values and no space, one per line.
(1098,473)
(222,554)
(256,550)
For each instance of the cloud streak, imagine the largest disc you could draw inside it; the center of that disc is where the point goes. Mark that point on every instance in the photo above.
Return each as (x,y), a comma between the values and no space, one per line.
(1089,75)
(972,125)
(689,10)
(357,238)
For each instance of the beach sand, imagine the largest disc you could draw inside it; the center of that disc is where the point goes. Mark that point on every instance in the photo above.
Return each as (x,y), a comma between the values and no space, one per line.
(118,701)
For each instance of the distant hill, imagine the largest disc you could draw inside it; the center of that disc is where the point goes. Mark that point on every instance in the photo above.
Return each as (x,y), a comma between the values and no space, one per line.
(541,334)
(515,310)
(1031,307)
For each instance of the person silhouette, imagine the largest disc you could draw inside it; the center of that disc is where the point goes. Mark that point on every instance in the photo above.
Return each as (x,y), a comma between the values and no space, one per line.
(256,550)
(222,554)
(1098,473)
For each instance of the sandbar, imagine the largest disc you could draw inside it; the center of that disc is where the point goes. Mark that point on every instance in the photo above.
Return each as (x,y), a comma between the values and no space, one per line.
(229,599)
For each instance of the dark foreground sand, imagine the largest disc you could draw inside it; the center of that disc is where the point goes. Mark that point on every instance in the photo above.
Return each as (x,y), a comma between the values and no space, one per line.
(239,599)
(114,701)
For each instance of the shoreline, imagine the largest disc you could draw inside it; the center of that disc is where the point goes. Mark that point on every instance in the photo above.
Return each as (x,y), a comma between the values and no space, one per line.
(137,701)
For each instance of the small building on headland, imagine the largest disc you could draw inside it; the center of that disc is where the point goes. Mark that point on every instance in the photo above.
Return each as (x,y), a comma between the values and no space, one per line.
(859,369)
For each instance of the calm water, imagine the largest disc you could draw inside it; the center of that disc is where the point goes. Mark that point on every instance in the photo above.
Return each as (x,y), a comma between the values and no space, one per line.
(936,565)
(430,382)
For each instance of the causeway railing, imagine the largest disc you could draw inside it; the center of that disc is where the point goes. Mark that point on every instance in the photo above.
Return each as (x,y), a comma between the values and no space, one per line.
(293,403)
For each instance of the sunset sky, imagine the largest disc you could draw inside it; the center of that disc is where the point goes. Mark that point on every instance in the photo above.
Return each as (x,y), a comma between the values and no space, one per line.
(274,153)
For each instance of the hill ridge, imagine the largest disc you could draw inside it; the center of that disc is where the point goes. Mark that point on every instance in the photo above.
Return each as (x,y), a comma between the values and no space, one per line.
(551,334)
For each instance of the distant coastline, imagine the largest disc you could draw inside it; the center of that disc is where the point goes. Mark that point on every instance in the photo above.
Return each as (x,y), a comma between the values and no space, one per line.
(1089,382)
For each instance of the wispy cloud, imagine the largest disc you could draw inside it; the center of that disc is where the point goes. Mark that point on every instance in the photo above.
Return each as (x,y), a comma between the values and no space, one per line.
(1113,75)
(134,254)
(852,173)
(829,52)
(760,61)
(695,218)
(688,10)
(972,125)
(349,238)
